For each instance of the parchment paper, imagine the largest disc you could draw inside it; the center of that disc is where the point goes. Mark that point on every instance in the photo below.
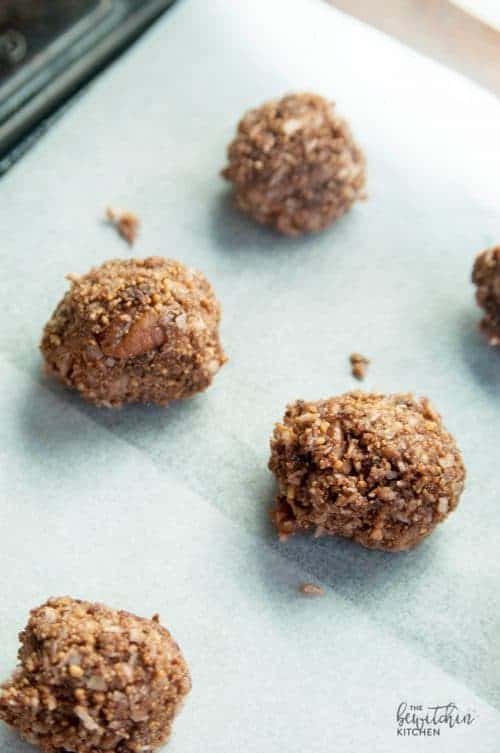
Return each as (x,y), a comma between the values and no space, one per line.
(155,510)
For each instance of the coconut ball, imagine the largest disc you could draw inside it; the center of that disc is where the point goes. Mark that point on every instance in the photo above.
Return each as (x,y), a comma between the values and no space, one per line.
(93,679)
(381,470)
(295,165)
(135,330)
(486,275)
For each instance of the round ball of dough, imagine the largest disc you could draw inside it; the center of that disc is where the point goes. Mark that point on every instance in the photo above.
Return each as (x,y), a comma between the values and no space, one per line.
(94,679)
(486,275)
(295,165)
(139,330)
(380,470)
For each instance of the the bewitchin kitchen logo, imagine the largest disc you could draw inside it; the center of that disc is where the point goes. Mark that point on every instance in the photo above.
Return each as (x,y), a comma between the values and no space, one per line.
(429,721)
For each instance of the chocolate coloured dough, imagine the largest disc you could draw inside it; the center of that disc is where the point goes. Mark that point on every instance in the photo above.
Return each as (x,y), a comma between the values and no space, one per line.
(486,275)
(380,470)
(295,165)
(94,679)
(140,330)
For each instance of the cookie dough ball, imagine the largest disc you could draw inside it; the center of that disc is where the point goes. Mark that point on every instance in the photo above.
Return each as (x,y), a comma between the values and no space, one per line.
(94,679)
(381,470)
(486,275)
(295,165)
(140,330)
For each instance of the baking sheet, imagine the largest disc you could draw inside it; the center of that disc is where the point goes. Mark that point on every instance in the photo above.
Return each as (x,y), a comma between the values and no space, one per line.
(155,510)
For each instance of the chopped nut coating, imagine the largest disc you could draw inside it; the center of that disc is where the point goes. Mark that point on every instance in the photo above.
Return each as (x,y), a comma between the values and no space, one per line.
(139,330)
(380,470)
(295,165)
(94,679)
(486,275)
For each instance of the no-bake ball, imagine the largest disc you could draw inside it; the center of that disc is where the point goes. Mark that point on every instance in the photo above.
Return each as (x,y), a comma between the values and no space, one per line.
(94,679)
(135,330)
(486,275)
(294,164)
(381,470)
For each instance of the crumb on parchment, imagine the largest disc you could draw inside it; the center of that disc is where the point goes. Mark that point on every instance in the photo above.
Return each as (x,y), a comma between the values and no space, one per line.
(359,364)
(126,223)
(311,589)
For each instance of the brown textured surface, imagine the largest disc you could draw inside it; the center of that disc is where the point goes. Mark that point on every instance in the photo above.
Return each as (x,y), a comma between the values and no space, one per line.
(381,470)
(294,164)
(140,330)
(94,679)
(486,275)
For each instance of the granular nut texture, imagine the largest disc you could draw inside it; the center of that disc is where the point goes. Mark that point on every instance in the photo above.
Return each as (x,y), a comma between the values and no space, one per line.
(139,330)
(486,275)
(381,470)
(93,679)
(295,165)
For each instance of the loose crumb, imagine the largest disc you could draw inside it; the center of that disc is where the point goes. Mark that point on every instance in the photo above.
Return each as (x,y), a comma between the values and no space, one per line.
(359,365)
(310,589)
(126,223)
